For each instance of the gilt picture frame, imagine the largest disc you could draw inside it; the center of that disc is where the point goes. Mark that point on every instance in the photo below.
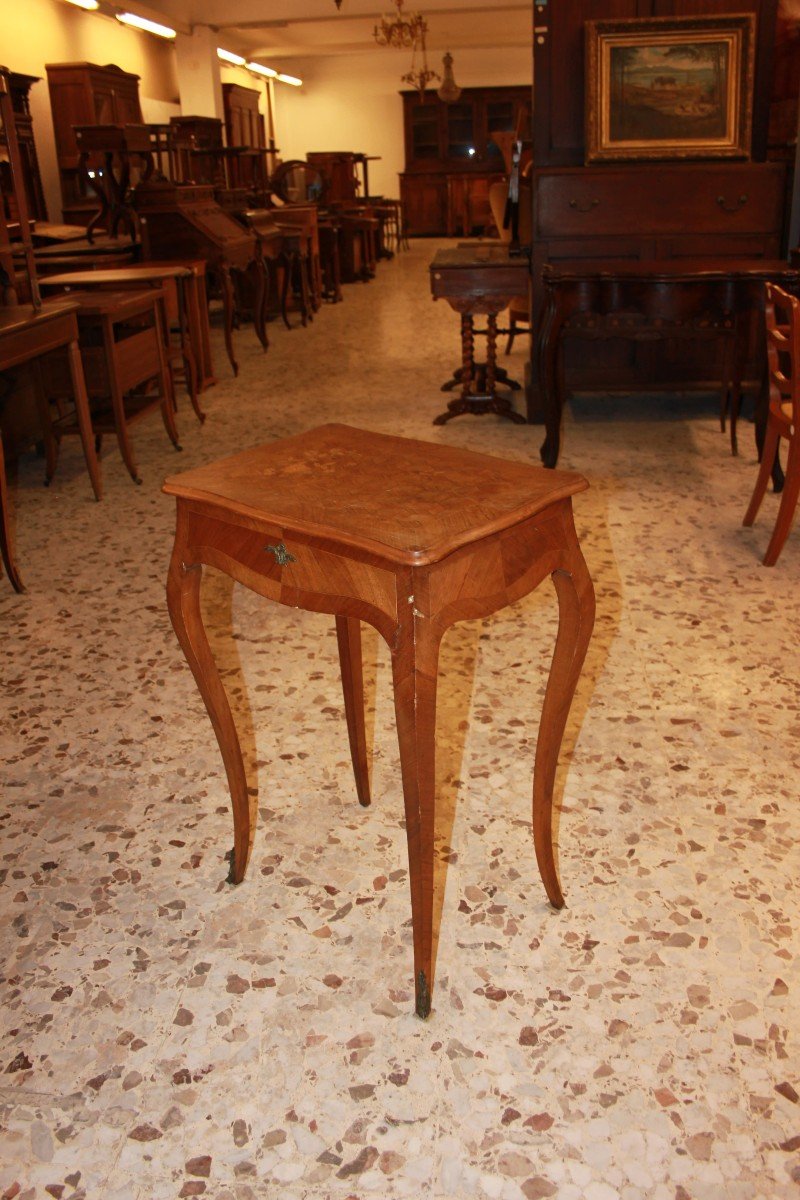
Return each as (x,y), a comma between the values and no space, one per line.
(669,87)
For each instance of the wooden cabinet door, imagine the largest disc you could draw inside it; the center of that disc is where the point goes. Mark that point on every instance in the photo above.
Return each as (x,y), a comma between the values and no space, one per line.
(425,204)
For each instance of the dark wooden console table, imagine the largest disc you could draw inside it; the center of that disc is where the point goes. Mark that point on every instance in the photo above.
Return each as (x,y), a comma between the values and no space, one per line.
(713,299)
(479,279)
(410,538)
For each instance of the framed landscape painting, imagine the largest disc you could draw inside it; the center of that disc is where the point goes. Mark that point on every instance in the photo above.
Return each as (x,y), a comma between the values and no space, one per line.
(672,87)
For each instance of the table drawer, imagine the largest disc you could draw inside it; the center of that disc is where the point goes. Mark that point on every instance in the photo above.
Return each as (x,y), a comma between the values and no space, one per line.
(638,201)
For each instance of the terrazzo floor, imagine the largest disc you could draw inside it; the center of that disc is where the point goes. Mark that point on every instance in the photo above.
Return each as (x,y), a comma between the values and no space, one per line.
(166,1035)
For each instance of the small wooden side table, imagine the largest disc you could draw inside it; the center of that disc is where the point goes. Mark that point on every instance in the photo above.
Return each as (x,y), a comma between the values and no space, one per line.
(161,276)
(477,278)
(409,537)
(122,346)
(25,335)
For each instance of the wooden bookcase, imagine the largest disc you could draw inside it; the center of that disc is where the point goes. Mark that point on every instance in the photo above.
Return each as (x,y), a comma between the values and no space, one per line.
(450,153)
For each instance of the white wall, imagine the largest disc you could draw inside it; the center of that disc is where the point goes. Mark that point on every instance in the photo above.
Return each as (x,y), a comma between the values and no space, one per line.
(35,32)
(354,103)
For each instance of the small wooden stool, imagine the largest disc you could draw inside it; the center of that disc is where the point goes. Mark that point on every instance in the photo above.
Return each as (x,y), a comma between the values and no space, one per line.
(409,537)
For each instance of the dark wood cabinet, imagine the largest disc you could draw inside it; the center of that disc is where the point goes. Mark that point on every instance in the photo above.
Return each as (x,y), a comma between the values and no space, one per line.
(451,158)
(244,124)
(86,94)
(641,210)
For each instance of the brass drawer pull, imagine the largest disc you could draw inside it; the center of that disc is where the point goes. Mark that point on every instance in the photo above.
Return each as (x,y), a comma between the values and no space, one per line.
(282,555)
(584,208)
(735,207)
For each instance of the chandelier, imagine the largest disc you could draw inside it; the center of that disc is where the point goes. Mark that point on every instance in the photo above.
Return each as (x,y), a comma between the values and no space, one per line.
(419,76)
(449,92)
(403,31)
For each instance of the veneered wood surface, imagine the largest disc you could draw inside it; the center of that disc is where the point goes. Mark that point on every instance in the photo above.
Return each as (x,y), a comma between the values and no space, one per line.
(405,501)
(507,526)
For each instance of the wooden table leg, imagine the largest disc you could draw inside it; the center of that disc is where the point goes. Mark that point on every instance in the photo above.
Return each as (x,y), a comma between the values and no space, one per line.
(183,600)
(415,660)
(576,608)
(6,548)
(83,416)
(165,382)
(551,395)
(228,312)
(286,261)
(348,633)
(187,352)
(118,400)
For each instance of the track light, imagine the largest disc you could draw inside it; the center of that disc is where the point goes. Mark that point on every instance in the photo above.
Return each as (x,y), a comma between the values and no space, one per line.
(259,70)
(127,18)
(228,56)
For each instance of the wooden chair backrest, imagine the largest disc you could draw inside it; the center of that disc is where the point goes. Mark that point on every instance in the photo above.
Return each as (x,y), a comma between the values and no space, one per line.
(782,312)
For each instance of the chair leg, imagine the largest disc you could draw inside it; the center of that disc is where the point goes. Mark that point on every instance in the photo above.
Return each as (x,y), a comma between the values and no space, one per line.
(512,333)
(165,381)
(789,498)
(764,471)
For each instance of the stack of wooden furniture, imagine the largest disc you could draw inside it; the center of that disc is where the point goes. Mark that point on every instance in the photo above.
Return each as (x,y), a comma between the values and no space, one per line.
(86,94)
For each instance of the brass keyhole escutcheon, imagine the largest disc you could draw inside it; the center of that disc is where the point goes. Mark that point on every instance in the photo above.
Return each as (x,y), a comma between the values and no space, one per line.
(282,555)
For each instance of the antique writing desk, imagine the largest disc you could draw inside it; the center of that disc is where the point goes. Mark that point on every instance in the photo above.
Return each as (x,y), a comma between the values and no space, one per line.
(184,221)
(710,299)
(409,537)
(477,278)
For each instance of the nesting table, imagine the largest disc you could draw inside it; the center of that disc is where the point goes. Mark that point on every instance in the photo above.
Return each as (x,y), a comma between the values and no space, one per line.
(409,537)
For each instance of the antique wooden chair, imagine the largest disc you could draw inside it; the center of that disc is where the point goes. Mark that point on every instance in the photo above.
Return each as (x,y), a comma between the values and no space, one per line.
(783,420)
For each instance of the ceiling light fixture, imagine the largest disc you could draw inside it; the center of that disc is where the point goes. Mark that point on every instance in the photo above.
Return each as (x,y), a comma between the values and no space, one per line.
(228,56)
(292,79)
(449,92)
(128,18)
(419,76)
(88,5)
(402,31)
(259,70)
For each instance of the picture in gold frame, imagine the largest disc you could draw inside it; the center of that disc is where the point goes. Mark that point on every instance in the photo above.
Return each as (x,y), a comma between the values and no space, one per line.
(669,87)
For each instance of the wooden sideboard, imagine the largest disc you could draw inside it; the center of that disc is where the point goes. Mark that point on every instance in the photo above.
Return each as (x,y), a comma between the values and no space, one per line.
(84,93)
(675,211)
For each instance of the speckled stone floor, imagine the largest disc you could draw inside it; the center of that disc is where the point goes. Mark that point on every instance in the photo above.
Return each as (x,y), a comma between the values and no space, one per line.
(166,1035)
